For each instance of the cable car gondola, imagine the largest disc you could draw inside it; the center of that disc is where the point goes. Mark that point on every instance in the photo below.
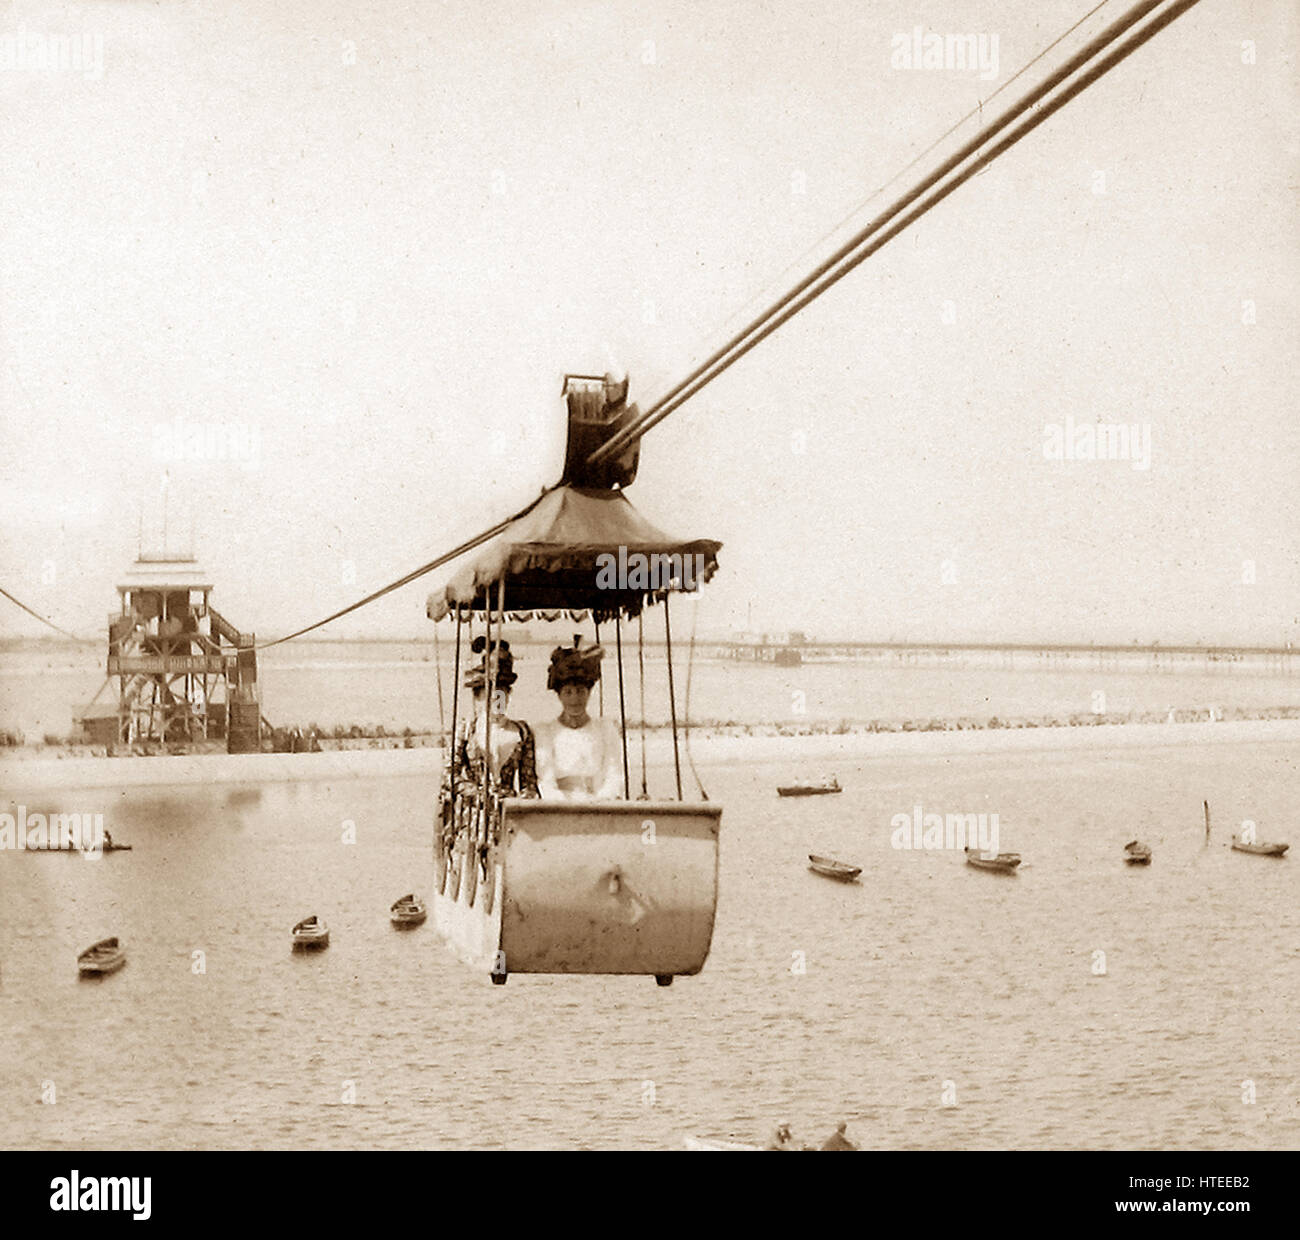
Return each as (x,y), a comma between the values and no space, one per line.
(612,886)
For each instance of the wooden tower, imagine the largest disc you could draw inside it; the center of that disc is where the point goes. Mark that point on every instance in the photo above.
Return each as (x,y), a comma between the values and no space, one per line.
(184,673)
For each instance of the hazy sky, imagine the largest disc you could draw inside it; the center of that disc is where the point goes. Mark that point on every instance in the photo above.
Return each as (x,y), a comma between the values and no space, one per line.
(372,238)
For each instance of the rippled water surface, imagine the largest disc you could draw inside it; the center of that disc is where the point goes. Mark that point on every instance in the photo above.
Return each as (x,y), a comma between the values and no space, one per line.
(926,972)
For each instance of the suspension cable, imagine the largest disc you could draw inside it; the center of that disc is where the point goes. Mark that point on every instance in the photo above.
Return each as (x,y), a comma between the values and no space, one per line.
(468,545)
(929,192)
(977,110)
(17,602)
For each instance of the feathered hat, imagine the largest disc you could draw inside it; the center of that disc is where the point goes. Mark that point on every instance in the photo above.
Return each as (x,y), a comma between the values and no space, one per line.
(576,664)
(476,676)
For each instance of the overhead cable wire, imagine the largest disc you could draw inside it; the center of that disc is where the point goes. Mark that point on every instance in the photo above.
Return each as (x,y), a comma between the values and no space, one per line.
(928,193)
(17,602)
(977,110)
(468,545)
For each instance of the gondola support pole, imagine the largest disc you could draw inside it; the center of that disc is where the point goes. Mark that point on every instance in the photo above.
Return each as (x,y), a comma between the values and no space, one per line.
(672,700)
(622,705)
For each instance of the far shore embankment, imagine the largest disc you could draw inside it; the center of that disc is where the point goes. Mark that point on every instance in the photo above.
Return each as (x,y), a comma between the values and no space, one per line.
(18,776)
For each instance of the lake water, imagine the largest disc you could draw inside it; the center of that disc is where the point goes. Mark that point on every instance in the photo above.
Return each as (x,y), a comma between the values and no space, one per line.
(927,976)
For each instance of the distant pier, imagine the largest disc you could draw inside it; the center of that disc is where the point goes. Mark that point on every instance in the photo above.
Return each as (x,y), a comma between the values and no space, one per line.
(793,649)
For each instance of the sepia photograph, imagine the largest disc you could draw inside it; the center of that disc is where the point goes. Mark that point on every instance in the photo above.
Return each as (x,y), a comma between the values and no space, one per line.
(642,576)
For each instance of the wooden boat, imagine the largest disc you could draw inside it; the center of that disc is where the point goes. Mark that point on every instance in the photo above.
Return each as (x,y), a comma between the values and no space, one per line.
(1003,863)
(809,789)
(836,1142)
(408,911)
(834,869)
(311,932)
(106,846)
(1260,850)
(106,956)
(1136,853)
(713,1143)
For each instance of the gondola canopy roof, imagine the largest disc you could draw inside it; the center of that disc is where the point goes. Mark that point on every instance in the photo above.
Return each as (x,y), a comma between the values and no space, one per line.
(578,549)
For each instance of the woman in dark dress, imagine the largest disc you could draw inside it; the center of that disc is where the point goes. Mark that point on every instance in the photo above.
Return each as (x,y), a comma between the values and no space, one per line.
(502,760)
(512,768)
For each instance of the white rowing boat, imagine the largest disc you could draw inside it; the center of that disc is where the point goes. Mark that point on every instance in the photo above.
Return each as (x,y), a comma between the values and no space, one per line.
(408,911)
(831,868)
(806,789)
(1003,863)
(713,1143)
(311,932)
(1260,850)
(106,956)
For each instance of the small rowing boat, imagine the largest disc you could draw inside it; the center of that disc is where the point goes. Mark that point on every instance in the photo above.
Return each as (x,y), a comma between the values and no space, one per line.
(1003,863)
(712,1143)
(408,911)
(1136,853)
(311,932)
(782,1139)
(106,846)
(805,789)
(106,956)
(831,868)
(1260,850)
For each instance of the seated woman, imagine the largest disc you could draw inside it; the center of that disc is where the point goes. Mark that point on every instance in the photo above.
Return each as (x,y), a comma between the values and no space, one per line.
(512,761)
(578,757)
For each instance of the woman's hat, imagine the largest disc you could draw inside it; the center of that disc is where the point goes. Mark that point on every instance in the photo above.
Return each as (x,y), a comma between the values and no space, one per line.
(576,664)
(504,661)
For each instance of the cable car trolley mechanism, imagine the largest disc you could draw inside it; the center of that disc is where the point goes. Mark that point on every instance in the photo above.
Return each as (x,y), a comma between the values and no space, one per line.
(582,882)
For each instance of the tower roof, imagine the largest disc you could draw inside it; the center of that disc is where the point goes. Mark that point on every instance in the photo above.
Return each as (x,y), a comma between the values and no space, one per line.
(165,573)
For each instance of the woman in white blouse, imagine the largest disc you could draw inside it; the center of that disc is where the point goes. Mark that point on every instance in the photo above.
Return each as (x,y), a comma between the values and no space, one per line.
(578,757)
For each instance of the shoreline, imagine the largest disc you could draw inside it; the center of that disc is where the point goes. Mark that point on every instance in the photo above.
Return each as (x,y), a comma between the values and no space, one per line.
(314,739)
(37,773)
